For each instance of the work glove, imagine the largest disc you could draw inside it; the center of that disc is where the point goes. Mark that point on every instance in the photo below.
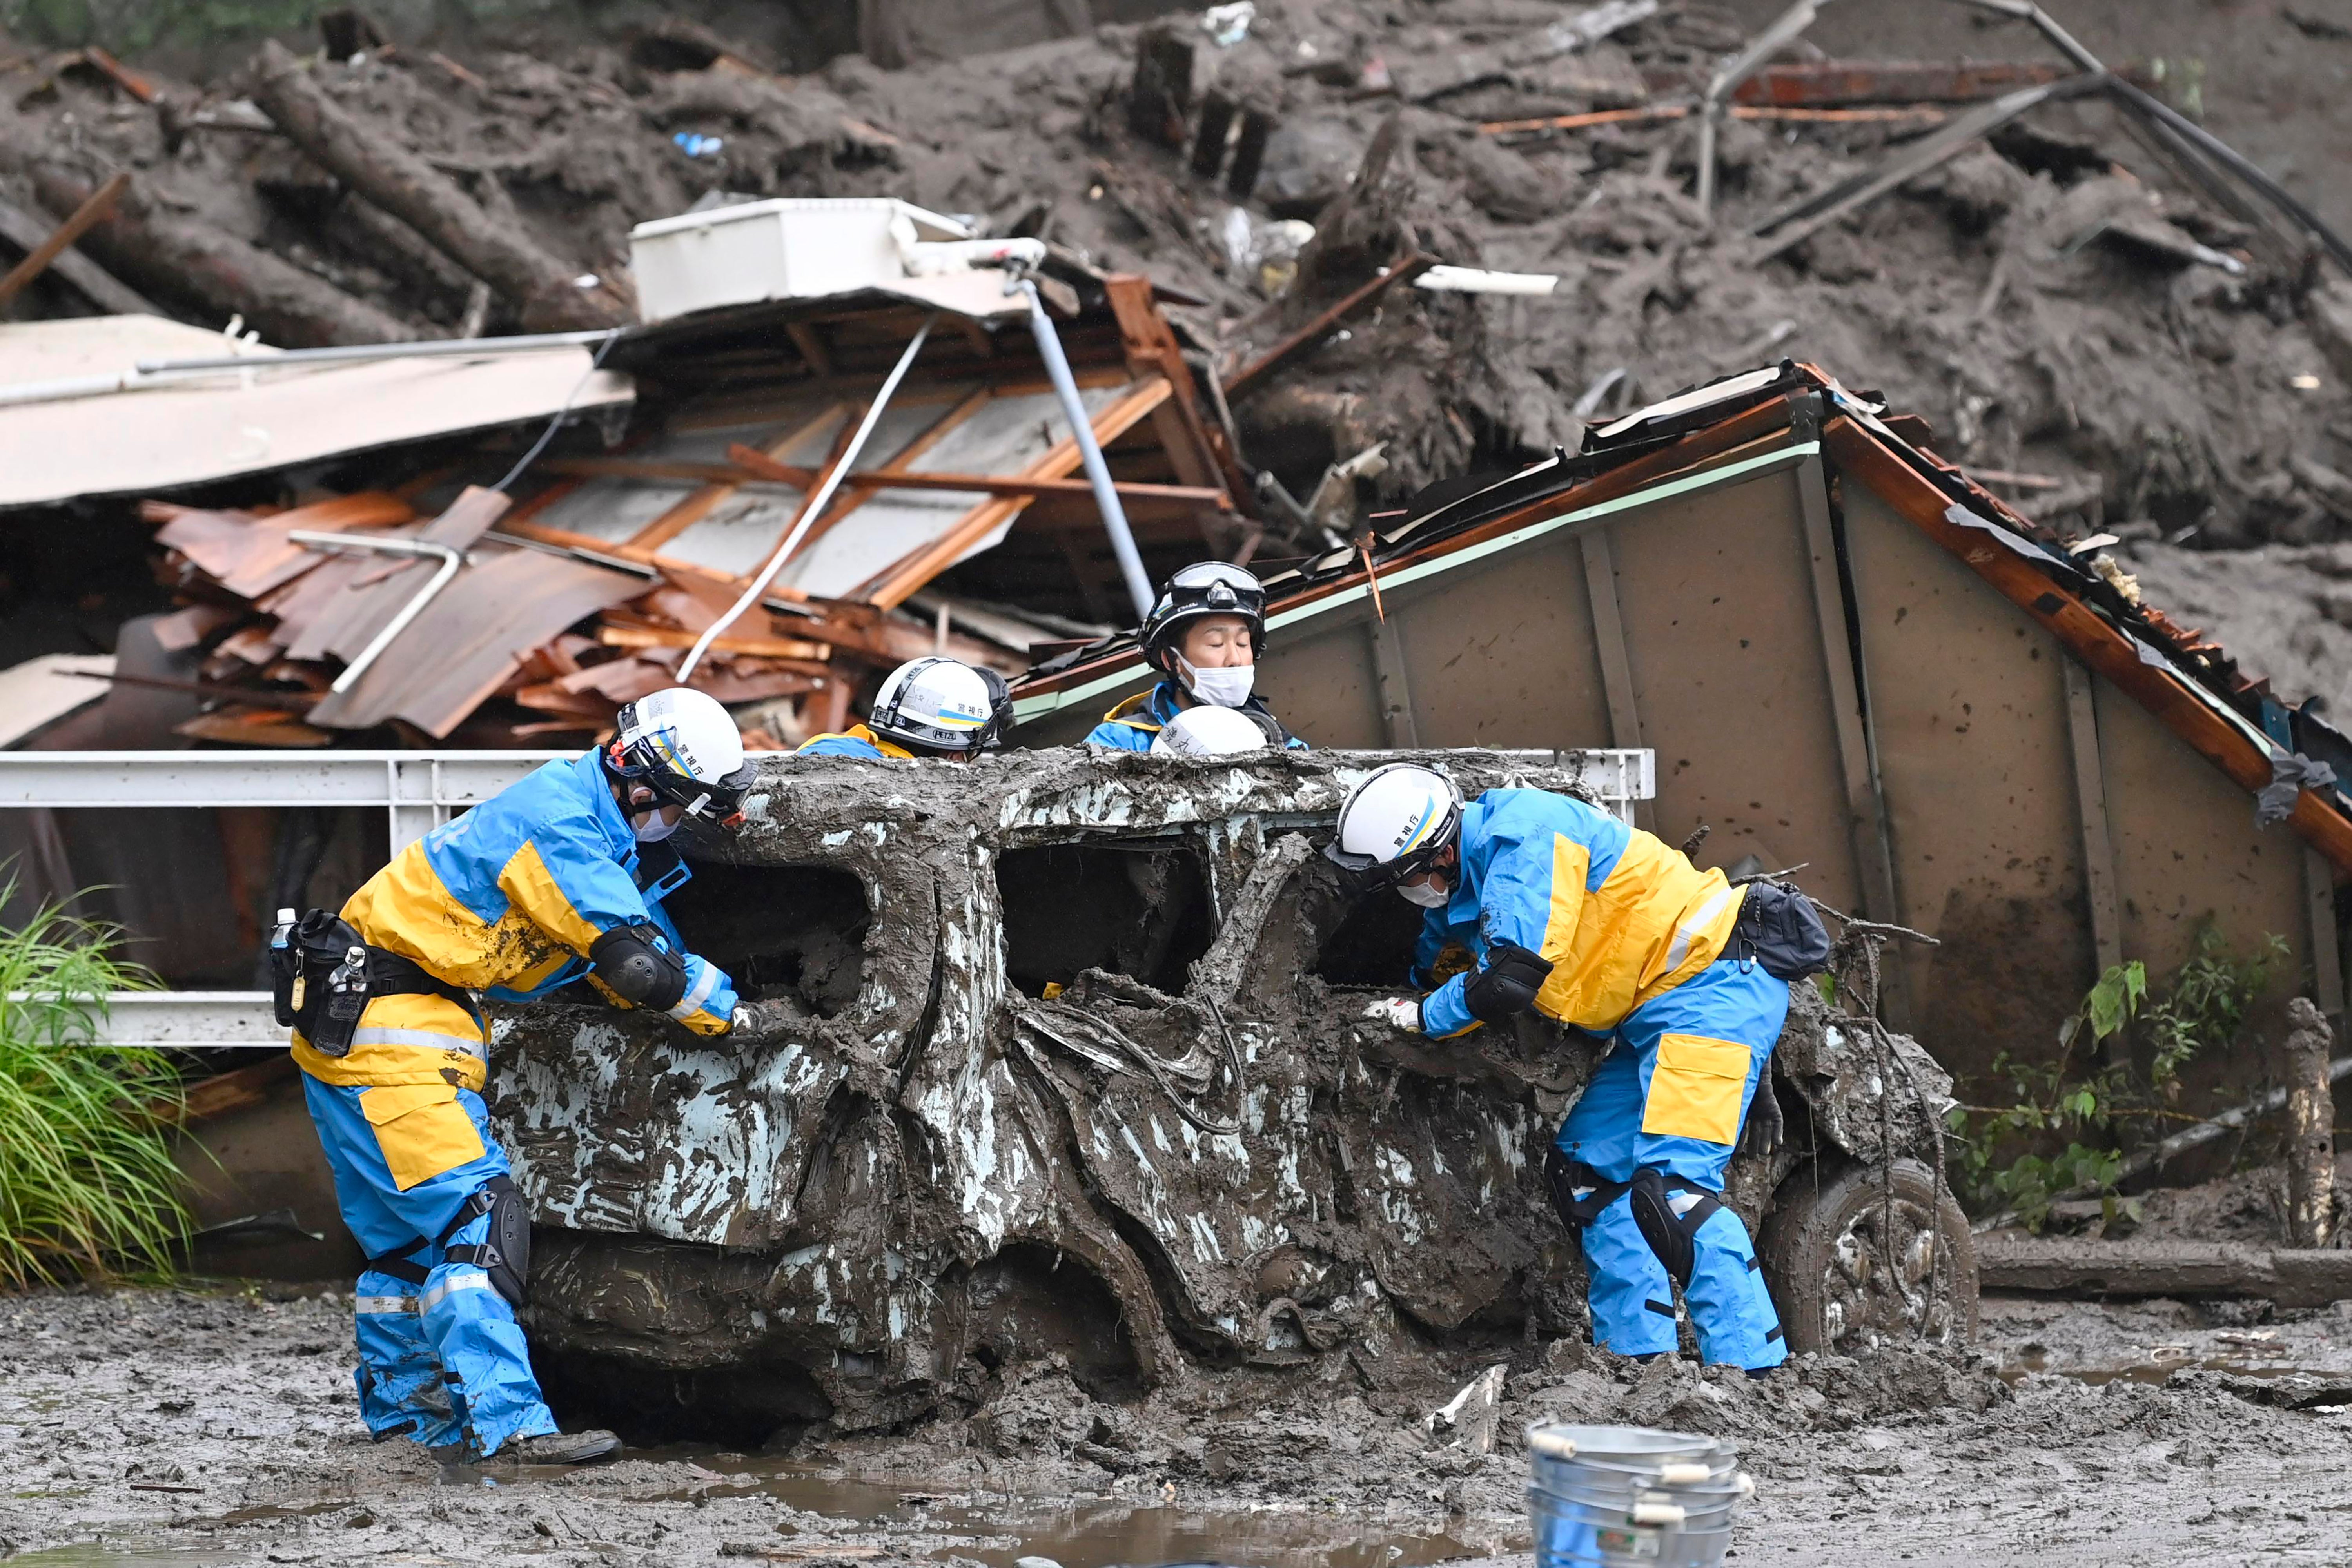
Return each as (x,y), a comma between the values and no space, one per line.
(1765,1132)
(768,1020)
(1397,1013)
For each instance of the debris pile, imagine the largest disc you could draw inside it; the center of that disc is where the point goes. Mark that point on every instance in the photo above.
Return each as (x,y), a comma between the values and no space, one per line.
(2059,302)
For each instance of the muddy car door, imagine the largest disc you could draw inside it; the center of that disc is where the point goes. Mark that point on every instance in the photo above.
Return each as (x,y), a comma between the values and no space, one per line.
(1285,1177)
(624,1122)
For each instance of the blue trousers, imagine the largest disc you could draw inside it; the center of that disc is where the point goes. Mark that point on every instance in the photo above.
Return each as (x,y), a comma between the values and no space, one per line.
(443,1361)
(1671,1097)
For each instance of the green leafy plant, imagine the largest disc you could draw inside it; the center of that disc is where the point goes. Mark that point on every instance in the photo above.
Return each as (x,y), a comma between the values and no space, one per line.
(87,1178)
(2062,1125)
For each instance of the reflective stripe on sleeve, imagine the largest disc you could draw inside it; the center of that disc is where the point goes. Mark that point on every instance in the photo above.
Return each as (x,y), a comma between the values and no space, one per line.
(691,1002)
(461,1279)
(366,1305)
(1691,929)
(427,1040)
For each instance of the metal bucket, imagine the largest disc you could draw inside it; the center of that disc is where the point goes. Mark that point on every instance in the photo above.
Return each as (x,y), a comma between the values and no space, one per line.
(1603,1496)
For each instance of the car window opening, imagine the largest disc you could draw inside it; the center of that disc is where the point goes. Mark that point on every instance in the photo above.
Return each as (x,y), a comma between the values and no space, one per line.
(778,930)
(1372,944)
(1140,910)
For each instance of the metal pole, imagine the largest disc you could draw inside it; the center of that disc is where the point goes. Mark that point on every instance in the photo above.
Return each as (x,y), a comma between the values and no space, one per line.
(1082,429)
(450,558)
(815,507)
(152,371)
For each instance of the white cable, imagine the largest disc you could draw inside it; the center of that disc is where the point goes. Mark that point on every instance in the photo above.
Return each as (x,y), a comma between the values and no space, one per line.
(809,513)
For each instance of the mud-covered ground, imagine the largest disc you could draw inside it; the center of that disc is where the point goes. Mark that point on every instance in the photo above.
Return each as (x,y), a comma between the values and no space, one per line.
(202,1428)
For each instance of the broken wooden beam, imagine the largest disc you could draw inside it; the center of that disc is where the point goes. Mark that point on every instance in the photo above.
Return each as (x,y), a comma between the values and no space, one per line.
(1401,271)
(1817,212)
(757,464)
(123,77)
(798,651)
(62,238)
(1895,113)
(94,283)
(2064,1265)
(182,257)
(1160,98)
(546,293)
(1825,84)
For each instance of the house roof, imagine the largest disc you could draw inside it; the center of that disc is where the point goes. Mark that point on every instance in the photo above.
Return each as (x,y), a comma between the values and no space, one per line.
(2188,682)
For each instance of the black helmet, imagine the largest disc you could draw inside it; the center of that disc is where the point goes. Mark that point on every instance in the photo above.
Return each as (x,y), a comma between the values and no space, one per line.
(1205,589)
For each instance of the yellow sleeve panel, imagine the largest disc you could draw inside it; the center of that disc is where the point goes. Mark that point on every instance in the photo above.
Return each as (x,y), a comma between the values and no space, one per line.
(531,889)
(405,908)
(1654,921)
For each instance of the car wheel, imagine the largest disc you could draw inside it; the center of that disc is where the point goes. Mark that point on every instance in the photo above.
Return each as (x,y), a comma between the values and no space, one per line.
(1826,1259)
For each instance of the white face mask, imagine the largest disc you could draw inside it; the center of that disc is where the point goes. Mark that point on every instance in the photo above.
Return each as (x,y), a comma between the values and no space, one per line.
(1225,686)
(650,828)
(1428,895)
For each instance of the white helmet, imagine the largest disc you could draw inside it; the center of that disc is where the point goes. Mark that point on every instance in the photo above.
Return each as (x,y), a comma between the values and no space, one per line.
(941,705)
(682,745)
(1207,732)
(1396,821)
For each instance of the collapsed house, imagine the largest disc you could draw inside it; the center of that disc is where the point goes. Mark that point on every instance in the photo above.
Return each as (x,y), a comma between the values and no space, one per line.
(410,597)
(1855,664)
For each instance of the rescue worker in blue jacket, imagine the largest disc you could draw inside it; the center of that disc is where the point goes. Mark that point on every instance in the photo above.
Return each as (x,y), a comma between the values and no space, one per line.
(551,880)
(1565,909)
(933,707)
(1204,636)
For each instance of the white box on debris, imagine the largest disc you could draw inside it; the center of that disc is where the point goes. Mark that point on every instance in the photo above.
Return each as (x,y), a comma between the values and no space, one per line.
(789,248)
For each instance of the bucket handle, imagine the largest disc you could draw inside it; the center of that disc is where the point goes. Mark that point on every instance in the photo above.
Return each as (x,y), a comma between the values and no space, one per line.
(1551,1445)
(1647,1511)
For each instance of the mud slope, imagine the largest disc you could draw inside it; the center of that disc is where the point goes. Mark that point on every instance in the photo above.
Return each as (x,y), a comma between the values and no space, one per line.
(2003,297)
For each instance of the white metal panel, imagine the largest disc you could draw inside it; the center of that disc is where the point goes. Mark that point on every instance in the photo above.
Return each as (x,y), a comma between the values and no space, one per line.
(213,1019)
(420,788)
(41,691)
(250,422)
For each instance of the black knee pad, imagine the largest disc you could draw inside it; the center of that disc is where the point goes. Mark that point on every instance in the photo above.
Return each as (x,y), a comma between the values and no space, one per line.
(1671,1234)
(1577,1192)
(505,1254)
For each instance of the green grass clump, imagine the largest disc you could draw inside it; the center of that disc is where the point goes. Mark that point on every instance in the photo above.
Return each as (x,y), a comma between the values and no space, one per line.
(86,1179)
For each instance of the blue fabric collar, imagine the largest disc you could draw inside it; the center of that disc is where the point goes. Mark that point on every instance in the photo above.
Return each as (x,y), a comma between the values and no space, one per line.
(588,778)
(1469,865)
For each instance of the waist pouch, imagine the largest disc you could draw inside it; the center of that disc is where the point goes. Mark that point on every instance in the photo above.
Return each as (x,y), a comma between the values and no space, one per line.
(1780,929)
(327,975)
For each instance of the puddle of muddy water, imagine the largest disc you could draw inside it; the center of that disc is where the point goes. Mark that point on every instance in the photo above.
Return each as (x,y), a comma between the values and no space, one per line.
(994,1528)
(2154,1367)
(1090,1533)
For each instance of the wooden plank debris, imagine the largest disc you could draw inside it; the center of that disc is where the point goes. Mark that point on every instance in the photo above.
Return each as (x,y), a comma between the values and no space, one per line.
(37,261)
(93,283)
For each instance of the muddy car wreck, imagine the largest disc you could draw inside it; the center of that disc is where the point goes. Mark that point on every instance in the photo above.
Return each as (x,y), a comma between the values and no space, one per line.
(1084,1071)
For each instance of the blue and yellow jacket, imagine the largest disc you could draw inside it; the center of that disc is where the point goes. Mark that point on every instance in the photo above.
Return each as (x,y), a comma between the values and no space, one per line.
(505,900)
(857,741)
(1135,723)
(1621,916)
